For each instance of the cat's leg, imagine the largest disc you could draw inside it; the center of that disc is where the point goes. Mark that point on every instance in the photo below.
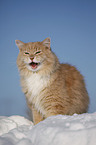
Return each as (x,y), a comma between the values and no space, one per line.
(37,117)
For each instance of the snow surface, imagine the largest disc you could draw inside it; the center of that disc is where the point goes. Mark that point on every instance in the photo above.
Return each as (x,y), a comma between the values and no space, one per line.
(55,130)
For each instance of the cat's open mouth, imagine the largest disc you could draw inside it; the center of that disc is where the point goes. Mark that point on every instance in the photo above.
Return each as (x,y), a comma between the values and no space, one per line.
(34,65)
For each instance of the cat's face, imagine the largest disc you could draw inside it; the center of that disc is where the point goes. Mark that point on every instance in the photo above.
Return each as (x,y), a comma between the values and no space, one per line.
(34,55)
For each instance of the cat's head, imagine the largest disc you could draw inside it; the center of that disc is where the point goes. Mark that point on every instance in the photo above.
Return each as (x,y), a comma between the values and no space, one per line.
(35,55)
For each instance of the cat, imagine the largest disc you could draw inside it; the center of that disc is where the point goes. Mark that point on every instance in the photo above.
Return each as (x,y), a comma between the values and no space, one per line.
(50,88)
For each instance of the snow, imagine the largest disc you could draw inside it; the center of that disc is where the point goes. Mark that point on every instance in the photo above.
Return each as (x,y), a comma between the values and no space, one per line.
(55,130)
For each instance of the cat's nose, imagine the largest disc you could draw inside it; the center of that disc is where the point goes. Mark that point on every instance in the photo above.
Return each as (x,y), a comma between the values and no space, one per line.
(31,58)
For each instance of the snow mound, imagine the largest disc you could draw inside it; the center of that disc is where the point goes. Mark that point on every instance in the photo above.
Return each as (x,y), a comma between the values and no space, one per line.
(9,123)
(55,130)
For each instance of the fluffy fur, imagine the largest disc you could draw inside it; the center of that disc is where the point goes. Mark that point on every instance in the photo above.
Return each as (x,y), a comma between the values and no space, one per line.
(50,88)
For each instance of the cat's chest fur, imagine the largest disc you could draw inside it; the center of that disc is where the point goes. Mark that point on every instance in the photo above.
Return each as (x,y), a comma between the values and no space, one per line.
(35,84)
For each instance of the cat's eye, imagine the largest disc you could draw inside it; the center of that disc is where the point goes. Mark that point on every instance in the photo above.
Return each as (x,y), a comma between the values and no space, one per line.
(38,52)
(26,53)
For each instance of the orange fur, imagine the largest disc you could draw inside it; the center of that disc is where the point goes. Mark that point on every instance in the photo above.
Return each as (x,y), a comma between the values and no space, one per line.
(50,88)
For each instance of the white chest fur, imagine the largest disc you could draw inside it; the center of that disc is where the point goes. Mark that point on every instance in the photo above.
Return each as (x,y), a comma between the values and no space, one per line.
(35,84)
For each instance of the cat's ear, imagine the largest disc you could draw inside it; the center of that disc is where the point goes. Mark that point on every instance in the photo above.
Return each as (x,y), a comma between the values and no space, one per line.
(46,42)
(19,43)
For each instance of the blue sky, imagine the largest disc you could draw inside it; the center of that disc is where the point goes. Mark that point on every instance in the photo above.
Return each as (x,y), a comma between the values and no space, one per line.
(71,25)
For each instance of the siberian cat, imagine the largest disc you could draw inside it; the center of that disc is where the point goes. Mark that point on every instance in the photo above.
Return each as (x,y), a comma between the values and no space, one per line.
(50,88)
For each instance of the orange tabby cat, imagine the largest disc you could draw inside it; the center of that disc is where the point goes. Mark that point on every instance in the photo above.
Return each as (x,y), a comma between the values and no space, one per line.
(51,88)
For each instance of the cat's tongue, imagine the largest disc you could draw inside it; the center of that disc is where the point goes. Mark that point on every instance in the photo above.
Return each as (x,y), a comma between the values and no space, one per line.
(34,65)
